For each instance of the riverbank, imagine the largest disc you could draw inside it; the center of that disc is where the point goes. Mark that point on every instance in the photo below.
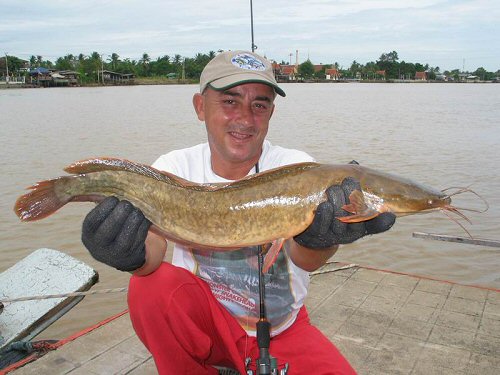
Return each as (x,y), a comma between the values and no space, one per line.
(142,81)
(146,81)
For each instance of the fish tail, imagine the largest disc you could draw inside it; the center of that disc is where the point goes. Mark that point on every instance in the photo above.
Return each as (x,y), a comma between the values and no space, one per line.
(43,200)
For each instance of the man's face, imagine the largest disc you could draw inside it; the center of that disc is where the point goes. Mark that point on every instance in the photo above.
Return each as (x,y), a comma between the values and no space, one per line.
(237,121)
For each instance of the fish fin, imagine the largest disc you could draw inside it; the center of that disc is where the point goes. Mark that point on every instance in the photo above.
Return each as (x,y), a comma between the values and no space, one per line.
(357,206)
(42,201)
(265,176)
(356,203)
(115,164)
(272,254)
(360,217)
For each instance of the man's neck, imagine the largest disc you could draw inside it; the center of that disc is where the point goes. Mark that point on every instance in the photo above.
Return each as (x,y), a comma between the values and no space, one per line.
(233,171)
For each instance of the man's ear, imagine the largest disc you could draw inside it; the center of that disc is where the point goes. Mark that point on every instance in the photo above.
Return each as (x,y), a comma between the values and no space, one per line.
(198,104)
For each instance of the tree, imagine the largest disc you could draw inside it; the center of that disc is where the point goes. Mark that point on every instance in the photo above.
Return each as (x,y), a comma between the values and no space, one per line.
(354,69)
(321,74)
(13,63)
(177,59)
(389,63)
(391,57)
(484,74)
(419,67)
(162,66)
(144,62)
(306,69)
(114,60)
(63,64)
(67,62)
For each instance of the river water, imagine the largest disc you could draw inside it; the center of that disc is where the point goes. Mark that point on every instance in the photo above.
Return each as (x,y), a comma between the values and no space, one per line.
(443,135)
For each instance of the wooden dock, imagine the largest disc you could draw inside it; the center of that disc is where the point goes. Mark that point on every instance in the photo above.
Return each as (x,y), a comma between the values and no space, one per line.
(383,322)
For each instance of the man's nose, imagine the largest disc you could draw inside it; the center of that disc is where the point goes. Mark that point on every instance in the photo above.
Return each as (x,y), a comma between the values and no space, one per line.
(246,115)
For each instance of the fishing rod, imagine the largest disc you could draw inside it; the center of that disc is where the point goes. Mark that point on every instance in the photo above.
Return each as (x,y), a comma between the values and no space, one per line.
(254,47)
(265,364)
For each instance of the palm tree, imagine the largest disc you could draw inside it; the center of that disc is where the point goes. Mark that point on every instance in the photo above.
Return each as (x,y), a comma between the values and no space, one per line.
(114,59)
(145,59)
(177,59)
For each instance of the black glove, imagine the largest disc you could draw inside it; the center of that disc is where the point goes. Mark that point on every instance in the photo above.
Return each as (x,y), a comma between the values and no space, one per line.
(326,231)
(114,233)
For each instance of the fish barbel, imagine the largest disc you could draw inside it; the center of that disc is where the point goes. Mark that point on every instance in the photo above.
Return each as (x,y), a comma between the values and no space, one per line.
(275,204)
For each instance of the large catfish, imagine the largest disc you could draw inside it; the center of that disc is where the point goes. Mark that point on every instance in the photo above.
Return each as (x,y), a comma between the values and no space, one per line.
(262,208)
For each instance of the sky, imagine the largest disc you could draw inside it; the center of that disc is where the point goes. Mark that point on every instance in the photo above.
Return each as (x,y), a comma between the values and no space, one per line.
(461,34)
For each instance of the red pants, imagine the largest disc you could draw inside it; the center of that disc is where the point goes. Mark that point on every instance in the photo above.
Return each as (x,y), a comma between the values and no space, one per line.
(188,331)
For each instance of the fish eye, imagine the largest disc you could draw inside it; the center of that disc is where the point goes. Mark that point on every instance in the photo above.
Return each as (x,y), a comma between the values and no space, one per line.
(430,201)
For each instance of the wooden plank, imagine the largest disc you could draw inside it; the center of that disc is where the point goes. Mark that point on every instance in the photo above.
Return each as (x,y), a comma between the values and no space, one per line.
(464,240)
(45,271)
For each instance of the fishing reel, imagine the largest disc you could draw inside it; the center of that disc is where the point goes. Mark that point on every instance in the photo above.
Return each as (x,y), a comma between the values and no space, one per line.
(263,368)
(272,370)
(266,364)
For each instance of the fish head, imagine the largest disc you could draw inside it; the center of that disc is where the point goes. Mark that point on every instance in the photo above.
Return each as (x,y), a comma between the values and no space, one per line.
(386,192)
(413,199)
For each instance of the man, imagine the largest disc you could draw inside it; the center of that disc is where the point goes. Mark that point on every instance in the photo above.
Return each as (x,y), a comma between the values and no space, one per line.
(201,311)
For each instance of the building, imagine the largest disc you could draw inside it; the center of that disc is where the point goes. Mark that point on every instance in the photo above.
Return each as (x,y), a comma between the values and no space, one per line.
(116,78)
(285,73)
(41,77)
(421,76)
(472,78)
(50,78)
(332,74)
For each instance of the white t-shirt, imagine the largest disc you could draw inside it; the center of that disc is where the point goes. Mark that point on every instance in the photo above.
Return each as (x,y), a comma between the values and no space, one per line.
(233,275)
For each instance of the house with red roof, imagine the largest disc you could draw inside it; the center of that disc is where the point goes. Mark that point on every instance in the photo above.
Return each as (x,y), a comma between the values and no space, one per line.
(421,76)
(289,72)
(332,74)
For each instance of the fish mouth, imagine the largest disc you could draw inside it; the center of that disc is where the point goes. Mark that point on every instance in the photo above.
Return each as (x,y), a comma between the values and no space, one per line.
(455,213)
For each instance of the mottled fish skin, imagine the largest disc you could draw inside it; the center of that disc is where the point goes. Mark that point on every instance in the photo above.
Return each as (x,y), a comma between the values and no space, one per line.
(274,204)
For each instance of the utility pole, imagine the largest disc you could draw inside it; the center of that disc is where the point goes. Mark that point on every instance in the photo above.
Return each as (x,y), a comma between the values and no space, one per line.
(102,71)
(6,67)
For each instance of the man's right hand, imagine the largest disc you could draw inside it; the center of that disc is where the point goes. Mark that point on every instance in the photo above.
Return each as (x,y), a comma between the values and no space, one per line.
(114,232)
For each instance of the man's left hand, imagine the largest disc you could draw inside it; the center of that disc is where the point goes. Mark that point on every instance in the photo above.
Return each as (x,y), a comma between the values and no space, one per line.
(326,230)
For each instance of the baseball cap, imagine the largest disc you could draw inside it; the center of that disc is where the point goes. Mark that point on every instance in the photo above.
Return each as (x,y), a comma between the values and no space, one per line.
(232,68)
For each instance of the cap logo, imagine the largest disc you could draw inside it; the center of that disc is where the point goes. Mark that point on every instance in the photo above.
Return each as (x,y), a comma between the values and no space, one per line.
(248,62)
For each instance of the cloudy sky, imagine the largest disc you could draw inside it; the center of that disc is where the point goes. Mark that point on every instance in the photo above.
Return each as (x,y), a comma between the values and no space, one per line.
(450,34)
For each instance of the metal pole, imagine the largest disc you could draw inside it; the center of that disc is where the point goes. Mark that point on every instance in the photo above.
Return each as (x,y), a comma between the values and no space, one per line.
(254,47)
(102,71)
(464,240)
